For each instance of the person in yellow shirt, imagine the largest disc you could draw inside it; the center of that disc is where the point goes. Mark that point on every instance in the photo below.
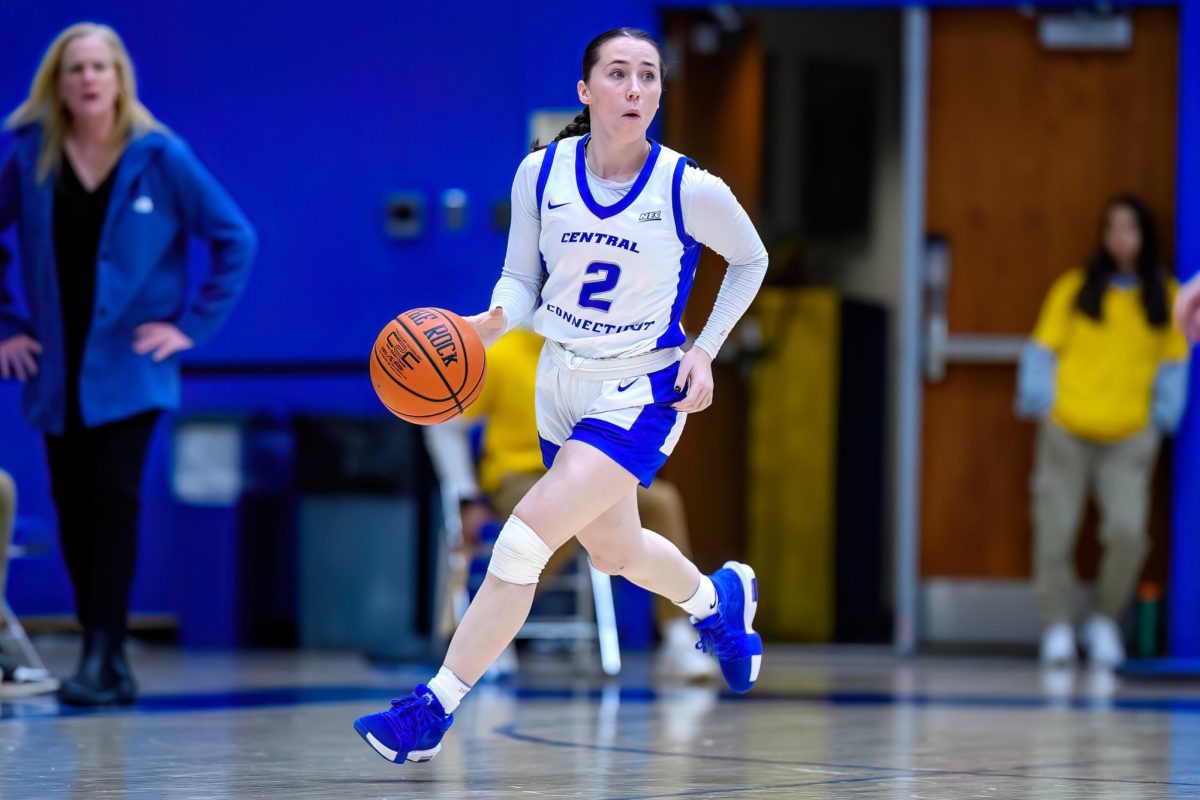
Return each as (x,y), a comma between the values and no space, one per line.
(1105,372)
(510,463)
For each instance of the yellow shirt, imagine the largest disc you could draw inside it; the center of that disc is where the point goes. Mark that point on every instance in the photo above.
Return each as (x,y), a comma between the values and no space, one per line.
(1106,368)
(510,440)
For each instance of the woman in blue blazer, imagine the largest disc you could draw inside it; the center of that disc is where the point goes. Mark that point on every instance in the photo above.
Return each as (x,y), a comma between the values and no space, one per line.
(104,200)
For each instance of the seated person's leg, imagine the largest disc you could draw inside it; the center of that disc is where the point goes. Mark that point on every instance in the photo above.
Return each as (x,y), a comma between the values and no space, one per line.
(661,510)
(8,511)
(512,489)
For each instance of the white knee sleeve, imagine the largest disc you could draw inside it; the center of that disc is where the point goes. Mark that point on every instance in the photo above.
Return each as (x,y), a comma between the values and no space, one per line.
(519,555)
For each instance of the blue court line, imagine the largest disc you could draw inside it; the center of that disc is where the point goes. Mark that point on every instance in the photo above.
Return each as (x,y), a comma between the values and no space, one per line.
(308,695)
(511,732)
(1174,705)
(40,708)
(1183,668)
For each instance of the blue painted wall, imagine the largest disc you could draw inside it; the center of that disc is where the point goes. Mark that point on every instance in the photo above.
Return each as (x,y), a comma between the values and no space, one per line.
(1184,585)
(311,117)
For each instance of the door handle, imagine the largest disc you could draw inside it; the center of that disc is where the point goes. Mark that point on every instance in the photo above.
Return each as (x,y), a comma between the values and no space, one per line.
(942,347)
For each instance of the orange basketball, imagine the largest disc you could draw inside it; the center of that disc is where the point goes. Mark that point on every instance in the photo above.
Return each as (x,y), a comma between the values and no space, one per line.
(428,365)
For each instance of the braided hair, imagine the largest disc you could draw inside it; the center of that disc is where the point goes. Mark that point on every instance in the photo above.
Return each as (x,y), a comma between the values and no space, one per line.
(583,120)
(577,127)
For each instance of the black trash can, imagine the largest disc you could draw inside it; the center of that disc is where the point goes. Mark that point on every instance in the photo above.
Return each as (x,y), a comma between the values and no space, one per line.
(368,523)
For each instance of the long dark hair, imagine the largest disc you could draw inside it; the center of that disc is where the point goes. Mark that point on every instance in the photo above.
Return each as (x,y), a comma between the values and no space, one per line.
(583,120)
(1149,270)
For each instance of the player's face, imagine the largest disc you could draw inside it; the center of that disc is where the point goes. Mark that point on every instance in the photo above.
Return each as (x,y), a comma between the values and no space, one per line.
(87,80)
(1122,236)
(624,88)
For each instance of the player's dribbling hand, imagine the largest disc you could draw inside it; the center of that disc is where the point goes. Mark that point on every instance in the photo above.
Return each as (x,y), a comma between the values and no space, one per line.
(18,357)
(695,372)
(1187,309)
(162,339)
(489,325)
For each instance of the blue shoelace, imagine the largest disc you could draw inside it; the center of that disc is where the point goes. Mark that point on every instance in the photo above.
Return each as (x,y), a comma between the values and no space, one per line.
(718,640)
(408,723)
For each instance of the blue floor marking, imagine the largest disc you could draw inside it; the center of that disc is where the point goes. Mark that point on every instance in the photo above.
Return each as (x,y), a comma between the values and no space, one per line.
(307,695)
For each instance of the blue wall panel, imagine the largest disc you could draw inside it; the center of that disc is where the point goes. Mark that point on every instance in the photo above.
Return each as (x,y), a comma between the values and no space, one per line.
(311,118)
(1184,585)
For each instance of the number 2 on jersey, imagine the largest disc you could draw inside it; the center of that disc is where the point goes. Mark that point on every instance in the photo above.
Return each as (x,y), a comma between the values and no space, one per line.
(588,295)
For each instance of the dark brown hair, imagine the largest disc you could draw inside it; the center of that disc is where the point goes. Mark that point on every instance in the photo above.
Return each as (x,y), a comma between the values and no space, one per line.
(583,120)
(1149,270)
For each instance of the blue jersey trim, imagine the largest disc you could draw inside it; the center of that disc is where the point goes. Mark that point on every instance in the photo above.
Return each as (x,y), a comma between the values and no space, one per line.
(604,212)
(662,385)
(545,277)
(676,201)
(674,336)
(544,174)
(542,180)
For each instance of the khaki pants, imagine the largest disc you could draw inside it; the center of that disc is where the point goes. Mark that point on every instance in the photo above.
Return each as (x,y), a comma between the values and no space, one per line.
(1118,476)
(8,511)
(660,507)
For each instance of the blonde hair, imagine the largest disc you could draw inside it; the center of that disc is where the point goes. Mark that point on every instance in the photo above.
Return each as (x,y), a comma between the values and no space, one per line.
(44,107)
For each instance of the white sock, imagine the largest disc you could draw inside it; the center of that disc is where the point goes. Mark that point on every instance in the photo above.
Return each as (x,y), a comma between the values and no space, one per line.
(448,689)
(704,602)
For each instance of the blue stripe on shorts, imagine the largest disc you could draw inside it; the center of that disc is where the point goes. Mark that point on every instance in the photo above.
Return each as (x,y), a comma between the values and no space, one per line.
(549,451)
(639,449)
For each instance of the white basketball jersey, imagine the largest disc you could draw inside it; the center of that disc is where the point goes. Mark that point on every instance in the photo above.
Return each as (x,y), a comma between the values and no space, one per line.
(617,277)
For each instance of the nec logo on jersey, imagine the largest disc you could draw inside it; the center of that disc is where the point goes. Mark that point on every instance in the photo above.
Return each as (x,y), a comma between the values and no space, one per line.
(650,216)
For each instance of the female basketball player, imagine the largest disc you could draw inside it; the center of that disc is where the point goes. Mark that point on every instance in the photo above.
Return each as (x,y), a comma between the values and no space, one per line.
(606,231)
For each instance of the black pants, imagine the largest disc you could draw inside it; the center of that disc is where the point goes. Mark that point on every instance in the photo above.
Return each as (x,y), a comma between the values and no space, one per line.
(96,481)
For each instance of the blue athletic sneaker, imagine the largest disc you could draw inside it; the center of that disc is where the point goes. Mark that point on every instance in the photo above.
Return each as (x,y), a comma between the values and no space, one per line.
(411,730)
(728,634)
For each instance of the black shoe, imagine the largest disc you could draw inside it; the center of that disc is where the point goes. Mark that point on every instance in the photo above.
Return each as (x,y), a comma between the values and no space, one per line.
(127,689)
(95,682)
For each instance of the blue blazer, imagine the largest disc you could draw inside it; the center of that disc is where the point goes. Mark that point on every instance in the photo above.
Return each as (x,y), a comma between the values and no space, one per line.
(161,195)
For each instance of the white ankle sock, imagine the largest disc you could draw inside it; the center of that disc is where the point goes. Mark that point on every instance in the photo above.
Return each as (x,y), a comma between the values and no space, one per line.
(448,689)
(704,602)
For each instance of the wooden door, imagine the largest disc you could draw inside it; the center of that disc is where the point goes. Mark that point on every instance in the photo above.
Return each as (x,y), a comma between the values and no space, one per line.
(1025,147)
